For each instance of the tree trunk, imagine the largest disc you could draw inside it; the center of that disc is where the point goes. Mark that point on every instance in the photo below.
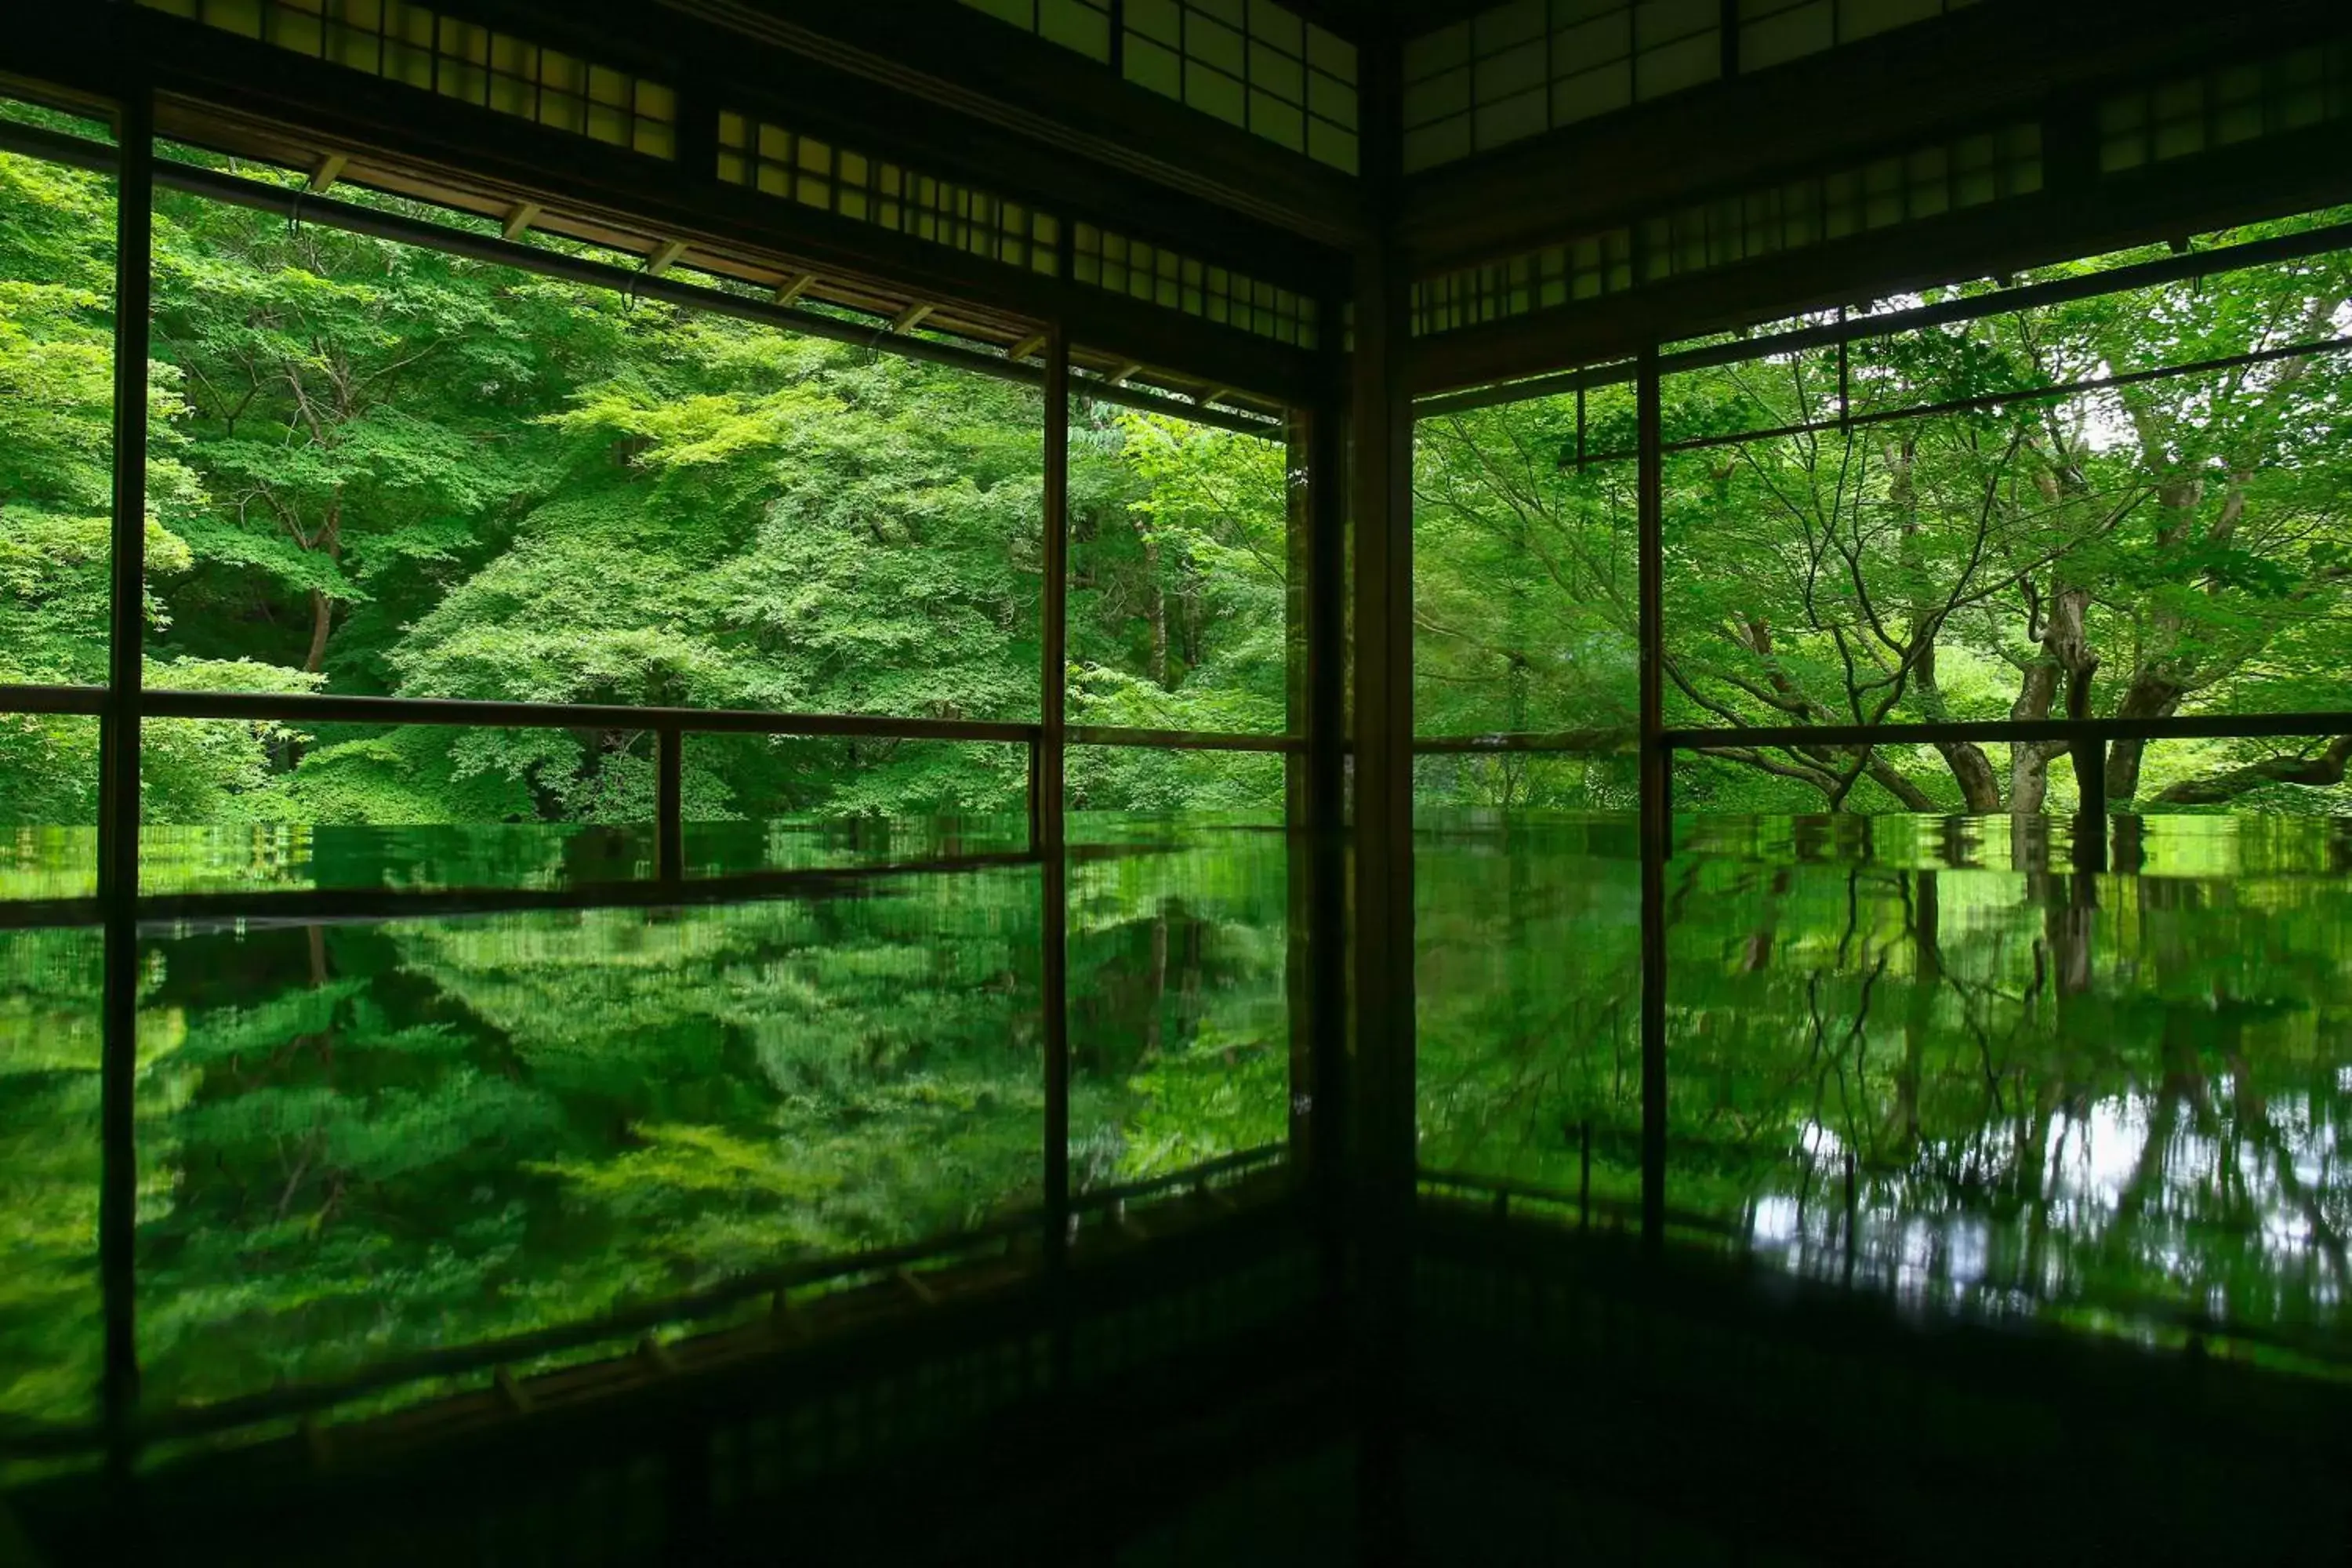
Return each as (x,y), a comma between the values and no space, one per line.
(2152,694)
(2070,925)
(1159,666)
(330,540)
(2067,656)
(322,621)
(1980,787)
(1189,1008)
(2029,778)
(1758,954)
(2160,678)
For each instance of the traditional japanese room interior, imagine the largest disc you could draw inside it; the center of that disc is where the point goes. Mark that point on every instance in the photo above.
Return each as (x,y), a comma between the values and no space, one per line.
(1132,782)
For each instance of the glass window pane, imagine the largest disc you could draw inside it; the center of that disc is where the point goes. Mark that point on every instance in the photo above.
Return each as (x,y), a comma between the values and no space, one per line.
(1510,119)
(384,431)
(1430,53)
(1861,19)
(1178,573)
(1126,794)
(1523,569)
(1278,26)
(48,805)
(1020,13)
(1789,35)
(1430,145)
(1074,25)
(1671,67)
(2163,546)
(229,805)
(1276,73)
(1330,53)
(57,441)
(1211,91)
(1527,881)
(1277,122)
(1148,64)
(1436,95)
(1328,99)
(1159,20)
(1513,71)
(1331,145)
(1591,92)
(392,470)
(56,447)
(1581,45)
(1213,43)
(1657,22)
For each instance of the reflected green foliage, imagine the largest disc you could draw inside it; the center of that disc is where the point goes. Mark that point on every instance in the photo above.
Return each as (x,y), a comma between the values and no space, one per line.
(1528,980)
(362,1141)
(370,1141)
(51,1339)
(1179,1021)
(2181,544)
(2099,1097)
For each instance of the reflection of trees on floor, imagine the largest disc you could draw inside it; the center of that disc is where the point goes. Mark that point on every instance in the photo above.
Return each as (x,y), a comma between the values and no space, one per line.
(1992,1087)
(359,1141)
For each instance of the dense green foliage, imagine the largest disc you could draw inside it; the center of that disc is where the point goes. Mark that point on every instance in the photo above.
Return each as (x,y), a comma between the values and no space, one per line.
(380,470)
(2181,544)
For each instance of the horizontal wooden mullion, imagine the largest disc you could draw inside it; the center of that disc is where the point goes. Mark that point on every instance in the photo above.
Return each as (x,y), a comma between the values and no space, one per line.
(320,708)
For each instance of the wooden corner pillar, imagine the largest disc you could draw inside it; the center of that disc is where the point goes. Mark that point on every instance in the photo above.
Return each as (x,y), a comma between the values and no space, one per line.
(1381,1159)
(1381,521)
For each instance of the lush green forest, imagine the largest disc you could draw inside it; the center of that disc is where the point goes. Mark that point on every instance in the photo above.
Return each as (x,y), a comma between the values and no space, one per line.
(380,470)
(2181,544)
